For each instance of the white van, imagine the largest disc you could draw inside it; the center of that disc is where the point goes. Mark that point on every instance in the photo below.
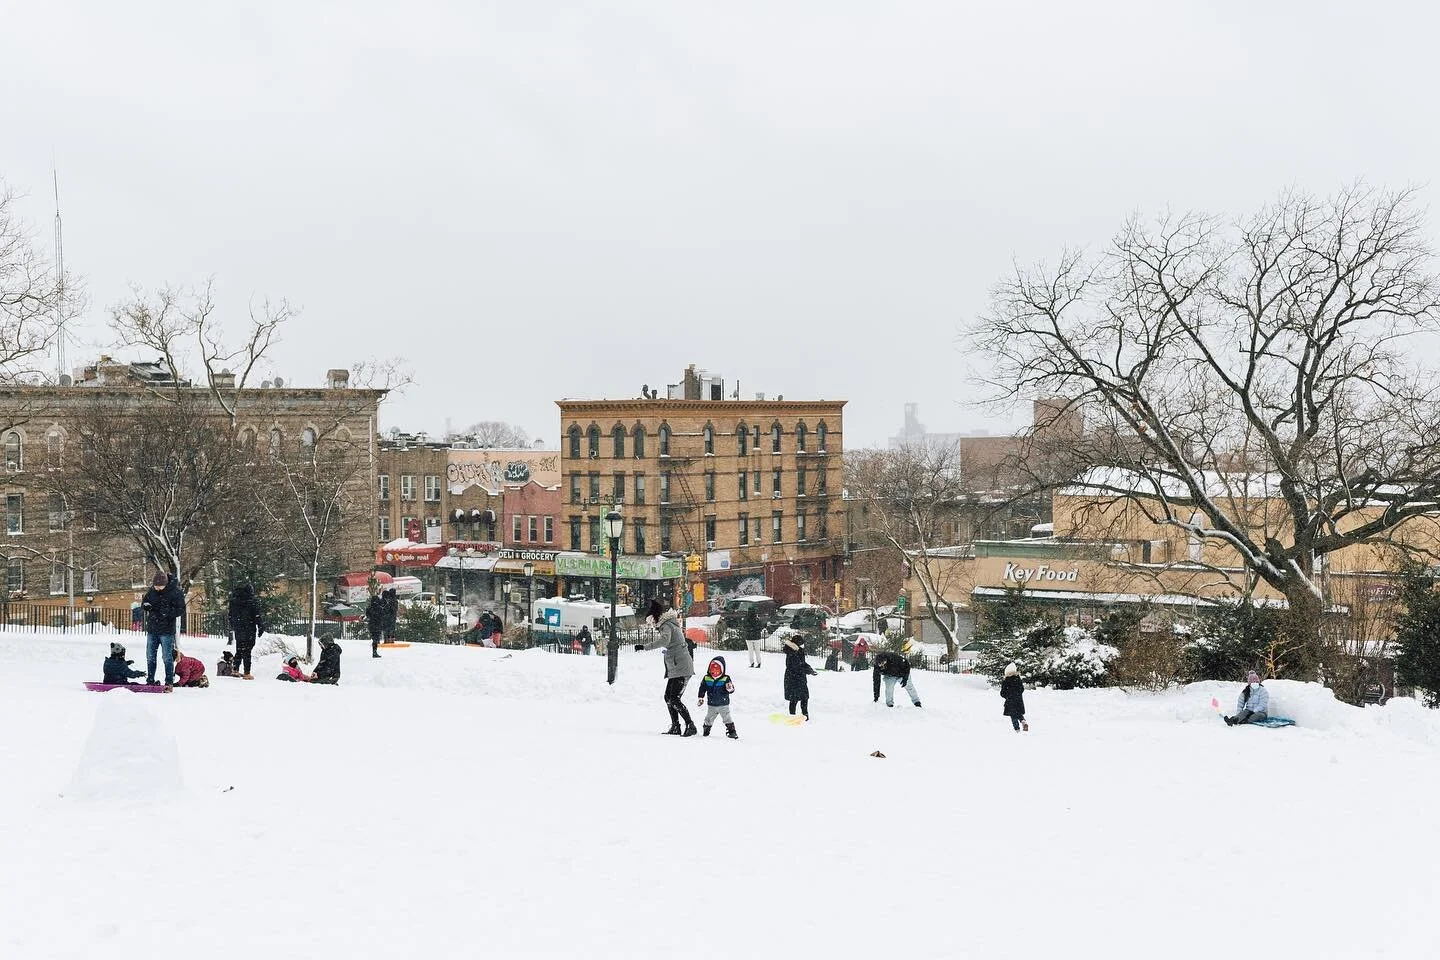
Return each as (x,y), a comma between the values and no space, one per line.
(556,617)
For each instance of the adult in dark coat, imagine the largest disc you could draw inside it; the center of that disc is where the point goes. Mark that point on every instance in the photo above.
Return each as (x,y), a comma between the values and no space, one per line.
(587,642)
(893,668)
(245,625)
(1012,688)
(163,604)
(328,669)
(377,611)
(392,613)
(797,669)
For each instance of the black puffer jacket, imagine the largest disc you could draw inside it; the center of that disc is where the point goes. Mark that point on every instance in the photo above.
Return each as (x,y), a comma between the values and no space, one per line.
(244,613)
(1013,690)
(117,670)
(890,664)
(162,608)
(797,669)
(327,670)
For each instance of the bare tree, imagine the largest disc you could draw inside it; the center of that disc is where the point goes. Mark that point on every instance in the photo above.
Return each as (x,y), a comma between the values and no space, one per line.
(499,434)
(1258,386)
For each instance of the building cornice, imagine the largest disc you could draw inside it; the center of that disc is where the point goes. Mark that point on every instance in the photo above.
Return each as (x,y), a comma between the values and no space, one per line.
(661,407)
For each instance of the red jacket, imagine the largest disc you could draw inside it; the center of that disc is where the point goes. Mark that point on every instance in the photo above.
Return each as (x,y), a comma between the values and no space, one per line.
(188,669)
(296,674)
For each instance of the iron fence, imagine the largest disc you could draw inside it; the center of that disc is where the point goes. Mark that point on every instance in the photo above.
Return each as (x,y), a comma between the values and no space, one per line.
(86,618)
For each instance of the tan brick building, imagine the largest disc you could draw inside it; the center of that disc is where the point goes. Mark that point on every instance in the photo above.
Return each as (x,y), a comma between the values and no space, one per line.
(749,487)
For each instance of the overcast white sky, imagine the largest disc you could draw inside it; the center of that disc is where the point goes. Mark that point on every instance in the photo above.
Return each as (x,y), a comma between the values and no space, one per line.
(532,199)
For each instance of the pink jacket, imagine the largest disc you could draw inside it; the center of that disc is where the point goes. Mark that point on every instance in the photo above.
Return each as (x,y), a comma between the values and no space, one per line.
(295,673)
(188,669)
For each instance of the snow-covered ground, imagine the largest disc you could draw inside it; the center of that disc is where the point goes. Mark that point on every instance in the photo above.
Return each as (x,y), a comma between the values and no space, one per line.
(457,802)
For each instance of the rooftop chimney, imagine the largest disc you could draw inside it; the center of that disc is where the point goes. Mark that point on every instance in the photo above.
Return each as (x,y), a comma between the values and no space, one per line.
(338,379)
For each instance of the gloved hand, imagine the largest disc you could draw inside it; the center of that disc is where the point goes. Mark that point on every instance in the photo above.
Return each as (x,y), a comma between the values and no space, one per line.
(639,648)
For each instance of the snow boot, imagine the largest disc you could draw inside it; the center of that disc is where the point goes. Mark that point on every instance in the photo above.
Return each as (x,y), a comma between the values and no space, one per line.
(917,703)
(706,730)
(690,730)
(729,731)
(1025,725)
(674,730)
(375,656)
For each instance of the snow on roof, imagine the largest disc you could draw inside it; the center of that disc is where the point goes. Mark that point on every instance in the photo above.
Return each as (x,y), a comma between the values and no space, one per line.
(750,597)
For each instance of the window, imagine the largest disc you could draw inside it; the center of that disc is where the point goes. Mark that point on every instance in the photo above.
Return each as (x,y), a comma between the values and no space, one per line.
(638,441)
(549,529)
(800,526)
(775,526)
(744,529)
(595,487)
(742,437)
(755,438)
(432,488)
(534,529)
(799,438)
(14,452)
(822,527)
(617,436)
(664,440)
(756,535)
(91,519)
(744,486)
(709,530)
(407,486)
(799,481)
(57,512)
(820,482)
(595,543)
(89,580)
(709,440)
(15,574)
(575,534)
(307,440)
(574,436)
(55,447)
(405,526)
(664,488)
(820,437)
(709,488)
(619,488)
(640,489)
(638,526)
(775,482)
(664,534)
(384,486)
(592,442)
(384,529)
(775,438)
(574,488)
(515,528)
(15,513)
(1195,544)
(139,573)
(57,577)
(277,441)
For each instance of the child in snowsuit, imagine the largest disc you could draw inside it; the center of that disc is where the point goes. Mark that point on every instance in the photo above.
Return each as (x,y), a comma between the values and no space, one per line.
(226,666)
(797,669)
(1012,689)
(893,667)
(189,671)
(1253,704)
(116,668)
(292,672)
(328,669)
(716,686)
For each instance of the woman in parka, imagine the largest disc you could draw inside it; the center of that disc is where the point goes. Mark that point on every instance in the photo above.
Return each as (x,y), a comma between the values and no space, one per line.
(797,669)
(1012,689)
(679,664)
(245,625)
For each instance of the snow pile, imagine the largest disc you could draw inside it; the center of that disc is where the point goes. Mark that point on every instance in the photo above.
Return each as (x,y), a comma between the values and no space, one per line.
(129,756)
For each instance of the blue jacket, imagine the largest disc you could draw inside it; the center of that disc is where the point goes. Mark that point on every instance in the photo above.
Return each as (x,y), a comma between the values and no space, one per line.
(1257,702)
(117,670)
(717,690)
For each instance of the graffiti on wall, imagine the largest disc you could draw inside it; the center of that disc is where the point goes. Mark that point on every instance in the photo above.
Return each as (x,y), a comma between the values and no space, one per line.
(721,589)
(493,469)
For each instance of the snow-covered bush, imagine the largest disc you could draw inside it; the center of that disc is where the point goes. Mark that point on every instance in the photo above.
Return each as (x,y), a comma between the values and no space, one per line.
(1229,642)
(1049,655)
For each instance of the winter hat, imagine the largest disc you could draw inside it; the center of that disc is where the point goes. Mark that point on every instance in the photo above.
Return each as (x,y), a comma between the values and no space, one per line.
(1011,670)
(1253,677)
(717,662)
(117,650)
(160,579)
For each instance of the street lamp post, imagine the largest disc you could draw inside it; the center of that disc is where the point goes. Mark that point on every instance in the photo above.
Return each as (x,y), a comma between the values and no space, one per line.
(529,569)
(614,529)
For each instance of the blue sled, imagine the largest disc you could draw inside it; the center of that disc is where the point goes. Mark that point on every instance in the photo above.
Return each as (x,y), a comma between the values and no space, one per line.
(1271,722)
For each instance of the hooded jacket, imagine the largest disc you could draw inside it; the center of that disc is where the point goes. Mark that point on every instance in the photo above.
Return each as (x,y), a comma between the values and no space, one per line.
(1254,698)
(890,664)
(1012,689)
(162,608)
(117,670)
(797,668)
(716,690)
(188,670)
(668,634)
(244,614)
(327,670)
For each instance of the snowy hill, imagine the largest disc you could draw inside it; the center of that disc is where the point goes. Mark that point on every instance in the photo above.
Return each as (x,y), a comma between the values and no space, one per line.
(446,802)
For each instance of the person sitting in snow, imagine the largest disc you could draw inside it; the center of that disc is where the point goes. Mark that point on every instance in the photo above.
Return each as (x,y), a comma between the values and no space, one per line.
(716,686)
(189,671)
(893,667)
(116,668)
(832,662)
(226,666)
(1012,689)
(1253,704)
(292,672)
(328,669)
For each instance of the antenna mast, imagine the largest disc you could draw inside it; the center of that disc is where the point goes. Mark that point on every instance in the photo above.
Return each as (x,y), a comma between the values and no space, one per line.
(60,276)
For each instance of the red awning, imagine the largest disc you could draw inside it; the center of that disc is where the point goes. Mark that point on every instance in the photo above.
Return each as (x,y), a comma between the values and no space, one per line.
(418,555)
(363,579)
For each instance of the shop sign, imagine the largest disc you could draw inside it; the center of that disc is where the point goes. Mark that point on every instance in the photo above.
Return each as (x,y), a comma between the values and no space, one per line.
(628,568)
(532,555)
(1019,574)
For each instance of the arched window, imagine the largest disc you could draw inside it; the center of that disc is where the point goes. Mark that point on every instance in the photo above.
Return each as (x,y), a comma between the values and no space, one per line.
(775,438)
(664,440)
(592,438)
(617,435)
(755,439)
(709,439)
(742,438)
(307,438)
(574,441)
(55,446)
(638,438)
(14,452)
(277,441)
(247,440)
(800,437)
(820,436)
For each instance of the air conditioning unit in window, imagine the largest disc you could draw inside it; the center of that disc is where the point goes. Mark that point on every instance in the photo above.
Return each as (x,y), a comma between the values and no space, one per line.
(594,548)
(775,495)
(12,467)
(709,544)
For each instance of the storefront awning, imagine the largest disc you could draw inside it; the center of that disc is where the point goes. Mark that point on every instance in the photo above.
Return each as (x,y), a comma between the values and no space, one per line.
(467,564)
(414,555)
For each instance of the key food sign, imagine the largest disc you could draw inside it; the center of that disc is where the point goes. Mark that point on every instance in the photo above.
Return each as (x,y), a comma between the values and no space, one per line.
(1039,572)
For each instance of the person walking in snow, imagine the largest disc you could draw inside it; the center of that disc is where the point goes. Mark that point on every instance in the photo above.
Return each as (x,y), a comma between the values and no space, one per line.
(245,625)
(750,631)
(894,668)
(392,614)
(163,604)
(1012,689)
(1253,704)
(716,687)
(116,669)
(797,670)
(587,642)
(859,661)
(679,665)
(376,612)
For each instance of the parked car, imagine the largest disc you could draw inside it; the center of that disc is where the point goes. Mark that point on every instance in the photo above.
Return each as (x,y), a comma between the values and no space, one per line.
(764,607)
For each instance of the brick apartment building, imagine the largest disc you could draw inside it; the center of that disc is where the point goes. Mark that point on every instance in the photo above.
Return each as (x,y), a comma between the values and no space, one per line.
(750,487)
